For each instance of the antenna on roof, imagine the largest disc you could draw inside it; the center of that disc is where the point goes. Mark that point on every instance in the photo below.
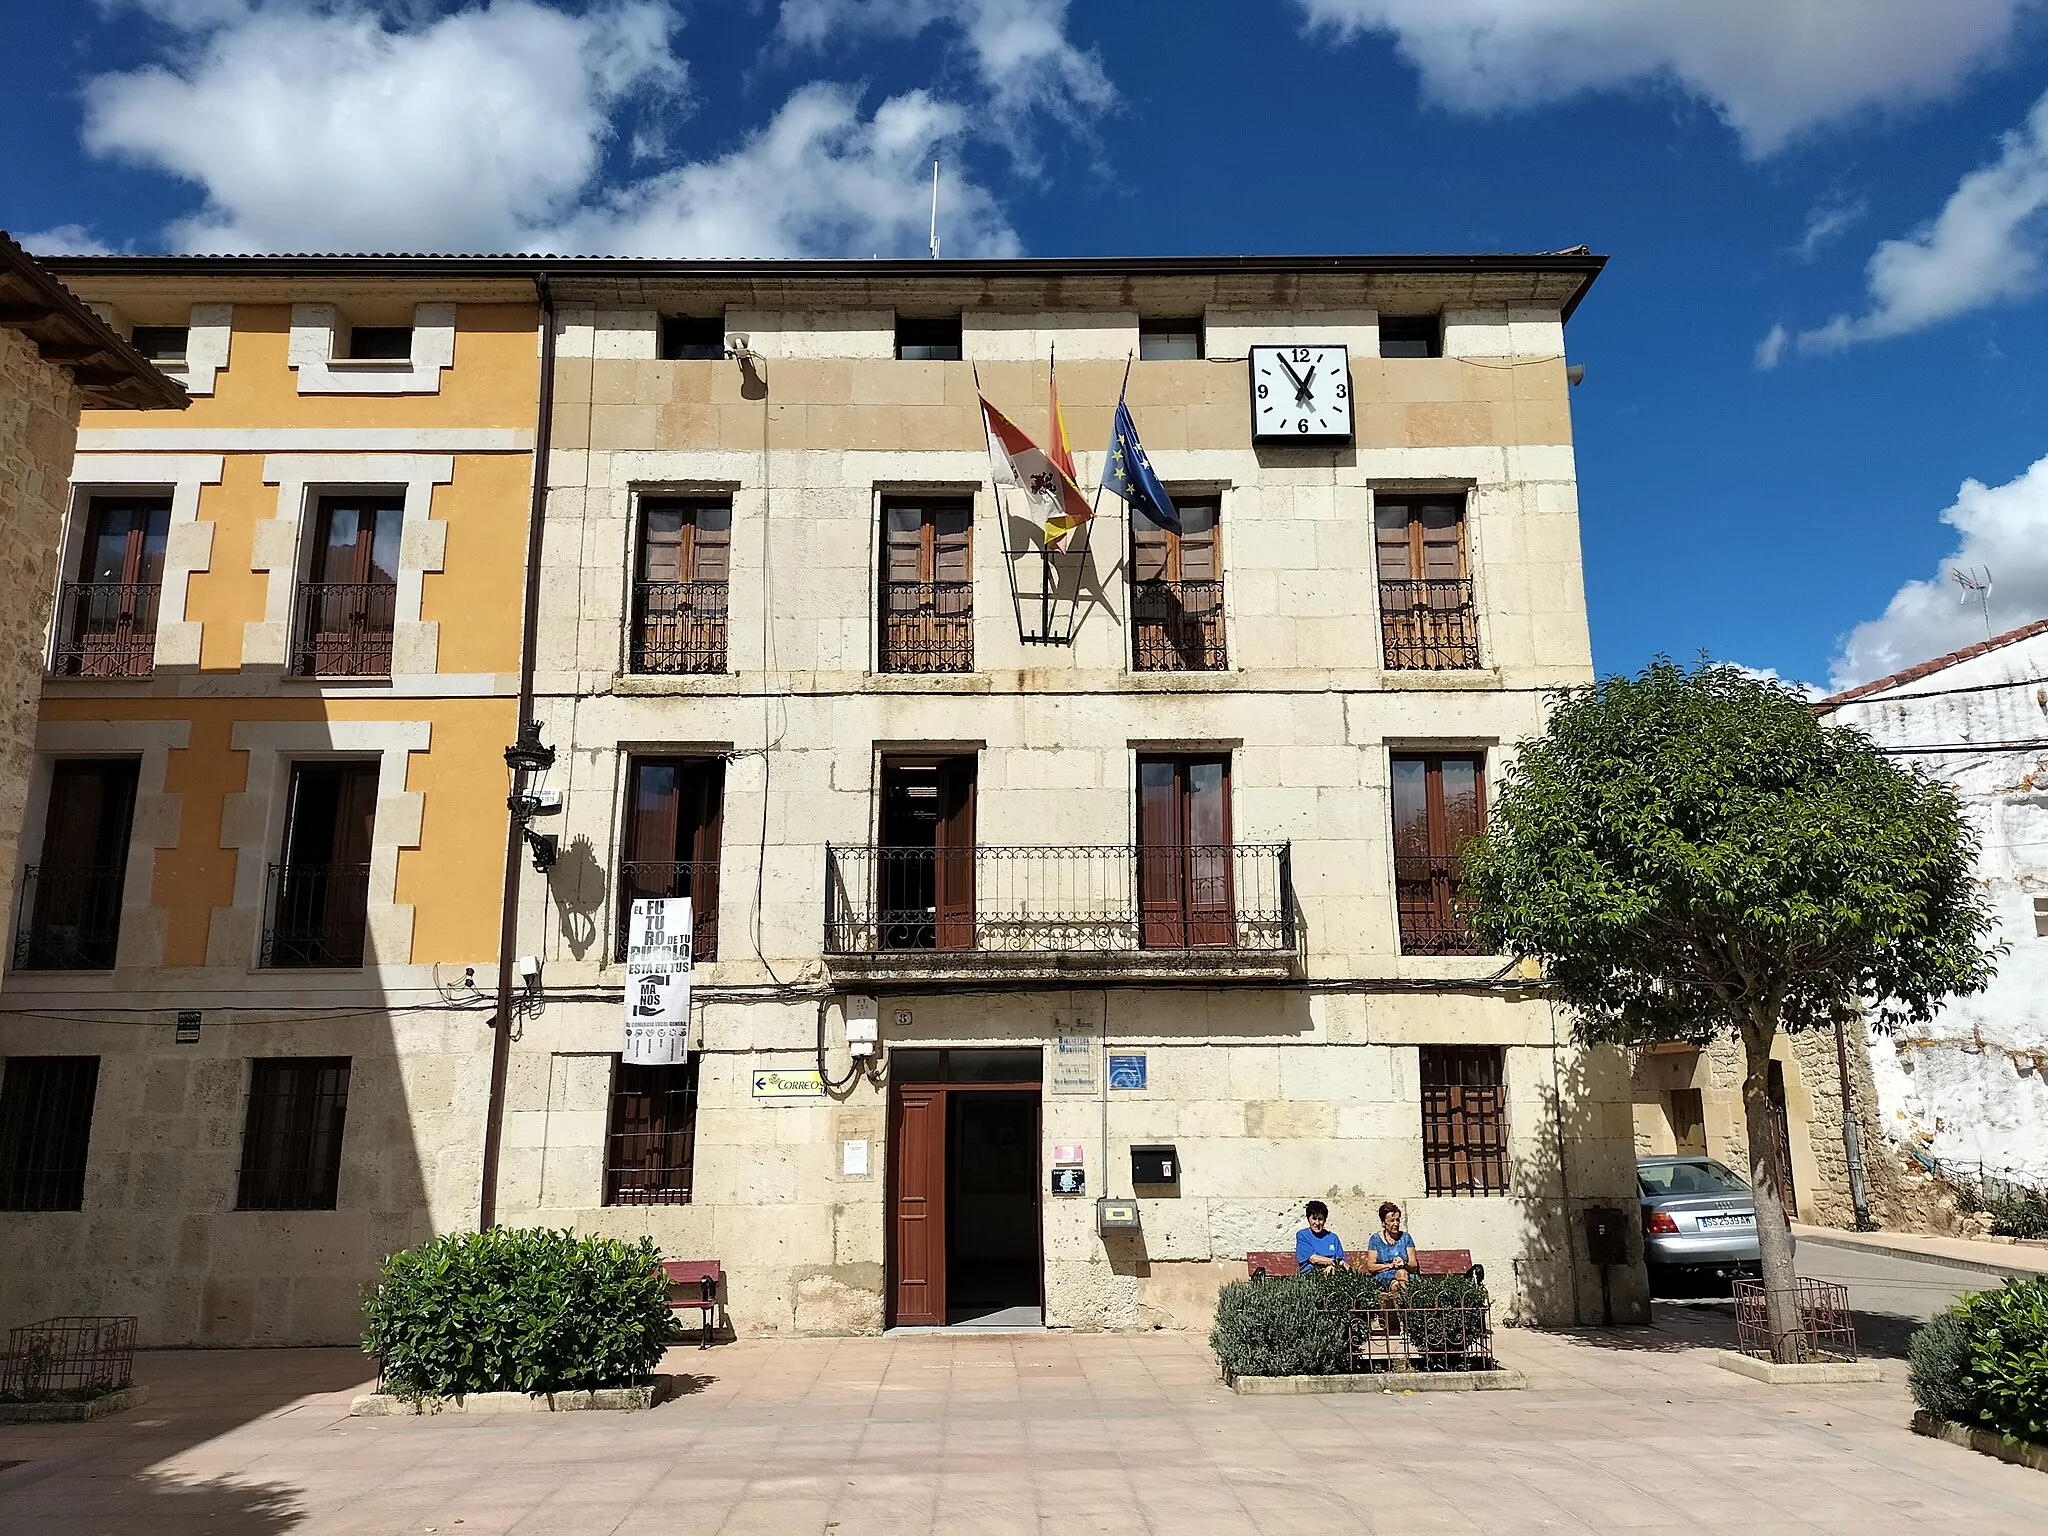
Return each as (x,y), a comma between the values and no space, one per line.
(1977,582)
(935,210)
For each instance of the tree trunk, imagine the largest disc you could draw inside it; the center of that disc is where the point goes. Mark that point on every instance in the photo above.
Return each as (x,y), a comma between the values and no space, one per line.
(1767,1184)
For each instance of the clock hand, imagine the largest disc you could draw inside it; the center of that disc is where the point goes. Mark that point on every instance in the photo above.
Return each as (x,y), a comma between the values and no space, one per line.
(1281,358)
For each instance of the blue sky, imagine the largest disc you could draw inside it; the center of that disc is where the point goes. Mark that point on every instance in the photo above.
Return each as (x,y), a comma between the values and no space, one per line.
(1754,170)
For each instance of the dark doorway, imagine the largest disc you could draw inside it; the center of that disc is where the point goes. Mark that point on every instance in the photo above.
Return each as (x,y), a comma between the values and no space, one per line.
(964,1243)
(1781,1128)
(926,862)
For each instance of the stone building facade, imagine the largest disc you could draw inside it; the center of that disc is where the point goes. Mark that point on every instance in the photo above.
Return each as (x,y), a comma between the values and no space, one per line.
(1134,863)
(1967,1090)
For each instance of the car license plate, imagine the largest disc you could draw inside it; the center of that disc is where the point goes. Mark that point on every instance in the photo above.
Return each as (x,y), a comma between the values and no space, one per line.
(1727,1221)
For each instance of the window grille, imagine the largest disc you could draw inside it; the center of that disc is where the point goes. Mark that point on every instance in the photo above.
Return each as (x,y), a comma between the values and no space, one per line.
(1464,1121)
(651,1147)
(45,1126)
(291,1142)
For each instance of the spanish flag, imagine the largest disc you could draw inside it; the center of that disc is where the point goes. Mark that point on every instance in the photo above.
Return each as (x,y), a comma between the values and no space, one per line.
(1047,479)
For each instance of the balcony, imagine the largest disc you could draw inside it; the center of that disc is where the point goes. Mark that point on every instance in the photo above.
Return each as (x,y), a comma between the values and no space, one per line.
(642,880)
(927,626)
(316,915)
(344,628)
(1061,910)
(106,629)
(1177,626)
(678,627)
(1431,915)
(70,918)
(1428,626)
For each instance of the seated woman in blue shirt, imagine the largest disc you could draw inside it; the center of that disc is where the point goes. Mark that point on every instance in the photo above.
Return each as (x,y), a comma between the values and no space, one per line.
(1390,1252)
(1314,1247)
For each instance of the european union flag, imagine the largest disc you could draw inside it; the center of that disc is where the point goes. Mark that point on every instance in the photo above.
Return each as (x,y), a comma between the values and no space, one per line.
(1128,473)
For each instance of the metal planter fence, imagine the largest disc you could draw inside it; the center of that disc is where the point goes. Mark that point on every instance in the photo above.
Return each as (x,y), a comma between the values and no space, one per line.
(68,1359)
(1824,1330)
(1433,1334)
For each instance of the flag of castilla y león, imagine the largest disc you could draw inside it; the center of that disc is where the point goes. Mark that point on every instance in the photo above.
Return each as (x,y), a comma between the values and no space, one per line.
(1045,475)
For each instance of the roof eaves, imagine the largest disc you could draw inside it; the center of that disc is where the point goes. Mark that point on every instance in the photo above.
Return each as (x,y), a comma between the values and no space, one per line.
(1929,668)
(104,367)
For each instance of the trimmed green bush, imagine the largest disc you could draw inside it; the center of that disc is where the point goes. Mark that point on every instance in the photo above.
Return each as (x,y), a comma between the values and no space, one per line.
(1294,1326)
(1985,1361)
(513,1310)
(2020,1213)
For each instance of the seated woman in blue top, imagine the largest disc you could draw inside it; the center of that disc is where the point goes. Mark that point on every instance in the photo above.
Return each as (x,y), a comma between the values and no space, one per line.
(1390,1252)
(1315,1248)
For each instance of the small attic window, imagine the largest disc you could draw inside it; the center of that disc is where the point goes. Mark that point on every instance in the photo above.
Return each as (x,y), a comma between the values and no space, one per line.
(379,343)
(160,343)
(693,338)
(1411,336)
(1178,340)
(928,338)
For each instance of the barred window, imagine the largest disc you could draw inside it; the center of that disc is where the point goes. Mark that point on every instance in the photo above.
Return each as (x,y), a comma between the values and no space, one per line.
(1464,1121)
(291,1142)
(45,1125)
(652,1145)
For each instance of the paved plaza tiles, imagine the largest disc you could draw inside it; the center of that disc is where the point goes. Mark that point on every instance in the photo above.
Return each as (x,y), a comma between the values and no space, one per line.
(1041,1433)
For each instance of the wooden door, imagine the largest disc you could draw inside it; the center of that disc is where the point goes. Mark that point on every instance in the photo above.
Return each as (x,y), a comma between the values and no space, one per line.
(954,854)
(1185,879)
(121,571)
(917,1207)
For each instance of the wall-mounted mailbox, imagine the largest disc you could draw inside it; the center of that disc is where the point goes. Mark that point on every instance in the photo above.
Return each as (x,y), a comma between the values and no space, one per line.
(1606,1235)
(1116,1215)
(1155,1165)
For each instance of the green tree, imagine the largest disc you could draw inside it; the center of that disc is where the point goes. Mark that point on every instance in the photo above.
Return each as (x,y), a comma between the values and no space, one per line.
(1690,852)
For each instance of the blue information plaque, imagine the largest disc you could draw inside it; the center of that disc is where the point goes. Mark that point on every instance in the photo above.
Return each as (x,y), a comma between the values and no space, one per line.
(1127,1071)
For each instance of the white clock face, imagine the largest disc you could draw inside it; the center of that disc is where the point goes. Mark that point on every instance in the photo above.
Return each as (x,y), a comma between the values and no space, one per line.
(1301,393)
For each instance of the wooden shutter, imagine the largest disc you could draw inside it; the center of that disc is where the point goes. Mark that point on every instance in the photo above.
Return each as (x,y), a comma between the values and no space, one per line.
(917,1179)
(952,564)
(1162,923)
(711,542)
(92,806)
(954,854)
(661,541)
(1393,542)
(1440,540)
(355,812)
(706,839)
(1151,549)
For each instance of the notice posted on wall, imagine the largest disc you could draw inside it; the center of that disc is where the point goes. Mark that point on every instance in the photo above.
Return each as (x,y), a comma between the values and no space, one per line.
(658,960)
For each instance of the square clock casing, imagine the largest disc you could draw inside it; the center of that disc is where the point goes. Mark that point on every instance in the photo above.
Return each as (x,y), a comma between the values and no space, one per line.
(1301,393)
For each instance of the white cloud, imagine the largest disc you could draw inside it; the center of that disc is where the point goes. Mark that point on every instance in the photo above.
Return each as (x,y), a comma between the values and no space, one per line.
(350,126)
(1771,68)
(1772,675)
(2004,530)
(819,179)
(1771,348)
(1826,223)
(1021,52)
(63,240)
(1984,246)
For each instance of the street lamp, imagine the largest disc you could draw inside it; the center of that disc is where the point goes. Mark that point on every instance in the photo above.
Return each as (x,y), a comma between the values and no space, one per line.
(528,758)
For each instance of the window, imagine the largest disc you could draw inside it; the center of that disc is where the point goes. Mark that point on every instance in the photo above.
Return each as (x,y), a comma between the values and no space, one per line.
(106,620)
(319,894)
(350,598)
(1464,1121)
(674,822)
(925,865)
(1439,804)
(928,339)
(160,343)
(2041,917)
(45,1126)
(1411,336)
(679,586)
(71,897)
(379,343)
(693,338)
(1184,854)
(651,1146)
(1177,591)
(1170,340)
(927,585)
(291,1142)
(1427,621)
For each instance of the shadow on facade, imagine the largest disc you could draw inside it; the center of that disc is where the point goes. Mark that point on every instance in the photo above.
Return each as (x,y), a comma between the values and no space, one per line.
(578,885)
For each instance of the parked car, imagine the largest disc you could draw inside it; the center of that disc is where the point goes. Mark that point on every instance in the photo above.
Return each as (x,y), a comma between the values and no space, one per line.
(1699,1223)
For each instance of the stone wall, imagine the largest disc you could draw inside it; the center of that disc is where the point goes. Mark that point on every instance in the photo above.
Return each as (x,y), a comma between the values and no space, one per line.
(38,429)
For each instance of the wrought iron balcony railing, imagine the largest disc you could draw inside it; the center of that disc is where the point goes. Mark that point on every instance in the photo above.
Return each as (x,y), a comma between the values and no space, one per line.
(1429,626)
(640,880)
(70,918)
(1060,900)
(106,629)
(317,915)
(1177,626)
(1432,918)
(344,628)
(927,626)
(678,626)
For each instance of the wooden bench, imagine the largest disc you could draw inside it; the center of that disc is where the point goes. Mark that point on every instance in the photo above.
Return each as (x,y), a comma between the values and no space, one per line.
(1271,1266)
(701,1277)
(1428,1261)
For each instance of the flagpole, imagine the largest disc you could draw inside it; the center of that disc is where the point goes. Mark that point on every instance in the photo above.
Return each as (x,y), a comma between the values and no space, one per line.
(1046,572)
(1095,507)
